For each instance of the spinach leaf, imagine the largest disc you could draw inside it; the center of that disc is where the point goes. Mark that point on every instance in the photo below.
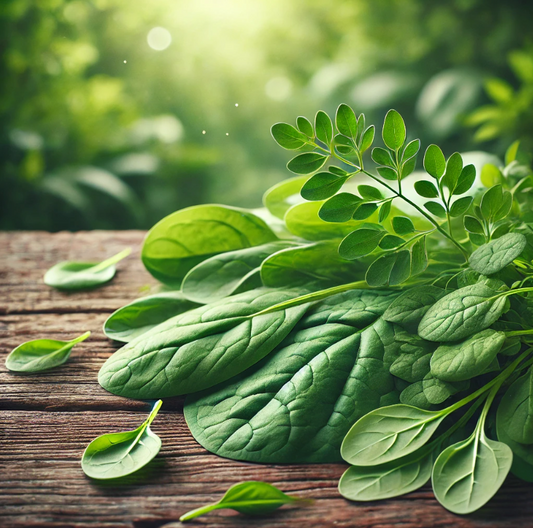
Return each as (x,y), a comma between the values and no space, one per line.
(467,474)
(184,239)
(143,314)
(200,348)
(282,196)
(462,313)
(408,309)
(388,480)
(389,433)
(515,412)
(297,404)
(116,455)
(494,256)
(41,354)
(414,395)
(250,498)
(390,269)
(308,265)
(468,358)
(70,275)
(231,272)
(413,362)
(437,391)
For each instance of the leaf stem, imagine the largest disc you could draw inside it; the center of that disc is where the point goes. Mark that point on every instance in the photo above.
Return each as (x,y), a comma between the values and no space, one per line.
(109,262)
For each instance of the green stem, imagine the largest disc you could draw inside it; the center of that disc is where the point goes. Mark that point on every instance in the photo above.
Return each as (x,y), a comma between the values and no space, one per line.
(81,338)
(109,262)
(200,511)
(518,333)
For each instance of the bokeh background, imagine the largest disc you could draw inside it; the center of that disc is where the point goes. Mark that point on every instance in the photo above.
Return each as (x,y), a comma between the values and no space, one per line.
(114,113)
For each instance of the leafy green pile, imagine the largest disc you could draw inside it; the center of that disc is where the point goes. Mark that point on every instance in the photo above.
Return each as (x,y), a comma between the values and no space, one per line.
(355,317)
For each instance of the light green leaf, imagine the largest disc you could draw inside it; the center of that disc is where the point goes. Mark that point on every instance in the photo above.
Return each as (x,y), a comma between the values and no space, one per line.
(466,180)
(346,121)
(307,163)
(490,175)
(382,157)
(369,193)
(323,127)
(434,161)
(287,136)
(367,139)
(388,173)
(494,256)
(461,206)
(436,209)
(384,211)
(365,211)
(411,149)
(393,130)
(454,167)
(282,196)
(305,126)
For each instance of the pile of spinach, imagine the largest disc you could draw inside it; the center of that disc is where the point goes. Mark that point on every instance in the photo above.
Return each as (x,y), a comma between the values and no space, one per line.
(354,317)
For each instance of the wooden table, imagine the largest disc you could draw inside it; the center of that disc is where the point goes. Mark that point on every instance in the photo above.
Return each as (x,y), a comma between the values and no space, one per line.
(47,419)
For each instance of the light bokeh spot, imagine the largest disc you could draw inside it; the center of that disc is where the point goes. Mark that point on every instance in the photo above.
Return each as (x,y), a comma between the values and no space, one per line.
(278,88)
(159,38)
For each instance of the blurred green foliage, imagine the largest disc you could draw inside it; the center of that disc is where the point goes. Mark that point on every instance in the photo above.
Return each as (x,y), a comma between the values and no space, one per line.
(100,128)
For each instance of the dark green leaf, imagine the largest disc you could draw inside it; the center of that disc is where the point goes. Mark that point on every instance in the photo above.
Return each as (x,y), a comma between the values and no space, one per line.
(390,269)
(454,166)
(305,126)
(360,243)
(287,136)
(344,144)
(306,163)
(369,193)
(360,127)
(81,275)
(393,130)
(461,206)
(142,315)
(323,127)
(250,498)
(364,211)
(384,211)
(408,167)
(434,161)
(478,240)
(403,225)
(388,173)
(491,202)
(426,189)
(382,157)
(346,121)
(473,225)
(338,171)
(466,180)
(436,209)
(119,454)
(321,186)
(505,207)
(41,354)
(494,256)
(391,242)
(419,256)
(367,139)
(340,208)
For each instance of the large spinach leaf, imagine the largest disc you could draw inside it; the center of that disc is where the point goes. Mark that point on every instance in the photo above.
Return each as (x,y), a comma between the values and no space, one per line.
(297,404)
(202,347)
(184,239)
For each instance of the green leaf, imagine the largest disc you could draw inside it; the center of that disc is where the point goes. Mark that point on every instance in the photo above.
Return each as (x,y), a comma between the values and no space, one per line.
(412,364)
(360,243)
(473,225)
(343,144)
(41,354)
(393,130)
(321,186)
(408,167)
(384,211)
(387,480)
(142,315)
(462,313)
(305,266)
(505,206)
(403,225)
(332,368)
(323,127)
(287,136)
(515,412)
(426,189)
(223,275)
(184,354)
(360,127)
(388,434)
(250,498)
(340,208)
(467,359)
(365,211)
(184,239)
(477,240)
(119,454)
(282,196)
(436,209)
(388,173)
(494,256)
(346,121)
(382,157)
(467,474)
(419,256)
(369,193)
(491,202)
(454,167)
(511,153)
(461,206)
(70,275)
(434,161)
(367,139)
(490,175)
(391,242)
(338,171)
(390,269)
(307,163)
(466,180)
(411,149)
(305,126)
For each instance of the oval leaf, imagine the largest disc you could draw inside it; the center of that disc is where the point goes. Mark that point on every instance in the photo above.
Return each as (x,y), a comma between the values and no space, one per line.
(393,130)
(287,136)
(434,161)
(360,243)
(307,163)
(494,256)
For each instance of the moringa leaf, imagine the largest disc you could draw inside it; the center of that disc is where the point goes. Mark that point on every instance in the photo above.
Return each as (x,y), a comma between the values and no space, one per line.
(305,126)
(466,180)
(184,239)
(307,163)
(287,136)
(382,157)
(346,121)
(367,138)
(323,127)
(119,454)
(369,193)
(393,130)
(143,314)
(419,257)
(411,149)
(426,189)
(250,498)
(461,206)
(454,167)
(462,313)
(41,354)
(436,209)
(223,275)
(494,256)
(389,269)
(340,208)
(403,225)
(202,347)
(71,275)
(468,358)
(322,185)
(434,162)
(360,242)
(365,211)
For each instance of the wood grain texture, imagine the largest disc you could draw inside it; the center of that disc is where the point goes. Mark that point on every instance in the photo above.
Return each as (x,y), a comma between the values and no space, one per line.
(47,420)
